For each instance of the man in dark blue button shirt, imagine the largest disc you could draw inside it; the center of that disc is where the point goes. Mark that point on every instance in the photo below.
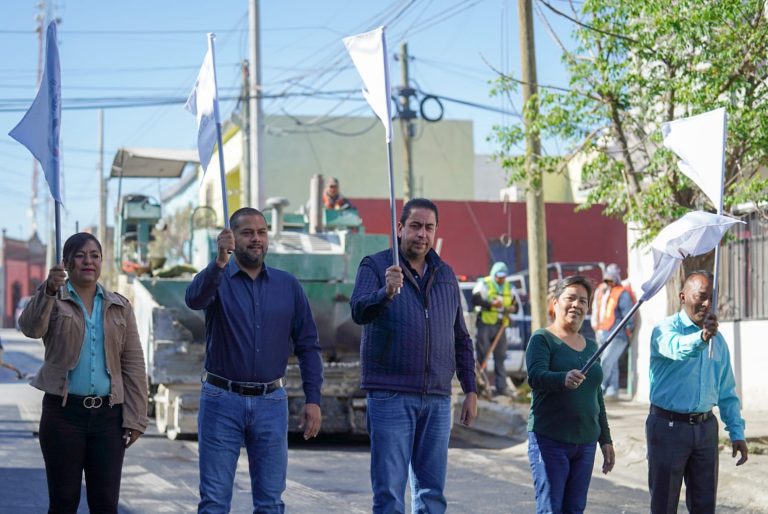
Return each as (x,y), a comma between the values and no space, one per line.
(254,316)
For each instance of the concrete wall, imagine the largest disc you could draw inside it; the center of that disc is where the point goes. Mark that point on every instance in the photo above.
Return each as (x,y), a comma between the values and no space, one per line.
(467,229)
(491,179)
(749,356)
(294,149)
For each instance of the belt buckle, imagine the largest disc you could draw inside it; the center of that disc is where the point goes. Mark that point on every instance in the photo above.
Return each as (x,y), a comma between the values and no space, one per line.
(253,389)
(694,418)
(92,402)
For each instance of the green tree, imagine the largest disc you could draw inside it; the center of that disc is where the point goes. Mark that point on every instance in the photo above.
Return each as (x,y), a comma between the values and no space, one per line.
(635,65)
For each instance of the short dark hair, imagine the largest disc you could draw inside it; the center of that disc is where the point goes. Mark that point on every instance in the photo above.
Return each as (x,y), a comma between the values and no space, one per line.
(699,273)
(75,243)
(243,212)
(417,203)
(574,280)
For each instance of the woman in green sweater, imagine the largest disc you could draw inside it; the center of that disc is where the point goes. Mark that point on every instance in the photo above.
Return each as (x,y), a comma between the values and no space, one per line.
(567,416)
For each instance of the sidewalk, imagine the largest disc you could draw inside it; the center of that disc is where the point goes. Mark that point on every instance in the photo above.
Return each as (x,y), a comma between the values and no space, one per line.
(741,489)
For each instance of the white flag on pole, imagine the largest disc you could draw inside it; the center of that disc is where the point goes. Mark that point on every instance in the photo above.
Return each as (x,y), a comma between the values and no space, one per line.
(203,103)
(369,53)
(696,233)
(40,127)
(699,141)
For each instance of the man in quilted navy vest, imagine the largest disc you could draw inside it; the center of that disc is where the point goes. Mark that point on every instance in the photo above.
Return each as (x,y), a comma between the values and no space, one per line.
(414,340)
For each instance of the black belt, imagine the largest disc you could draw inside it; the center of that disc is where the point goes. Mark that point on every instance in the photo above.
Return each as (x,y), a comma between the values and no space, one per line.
(692,418)
(89,402)
(245,388)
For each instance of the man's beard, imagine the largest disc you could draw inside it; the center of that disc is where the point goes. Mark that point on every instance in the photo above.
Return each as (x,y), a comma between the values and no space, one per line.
(247,261)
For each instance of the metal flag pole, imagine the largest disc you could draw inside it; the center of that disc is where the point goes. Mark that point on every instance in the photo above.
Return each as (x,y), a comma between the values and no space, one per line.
(392,207)
(57,224)
(369,54)
(716,271)
(610,338)
(222,171)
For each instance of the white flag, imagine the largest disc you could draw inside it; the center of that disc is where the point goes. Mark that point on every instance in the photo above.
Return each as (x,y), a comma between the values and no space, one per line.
(696,233)
(699,141)
(40,127)
(369,53)
(203,102)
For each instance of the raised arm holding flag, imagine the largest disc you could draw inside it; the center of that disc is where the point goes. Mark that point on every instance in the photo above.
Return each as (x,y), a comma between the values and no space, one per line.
(369,54)
(203,102)
(696,233)
(40,128)
(699,141)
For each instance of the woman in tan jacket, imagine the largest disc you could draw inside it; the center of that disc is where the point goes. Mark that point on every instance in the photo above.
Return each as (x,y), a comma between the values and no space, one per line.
(93,375)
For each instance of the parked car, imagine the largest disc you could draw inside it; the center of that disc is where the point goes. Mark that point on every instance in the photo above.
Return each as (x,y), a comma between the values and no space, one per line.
(22,303)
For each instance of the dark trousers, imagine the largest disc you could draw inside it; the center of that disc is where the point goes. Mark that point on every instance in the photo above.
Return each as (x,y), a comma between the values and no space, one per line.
(485,336)
(76,439)
(680,451)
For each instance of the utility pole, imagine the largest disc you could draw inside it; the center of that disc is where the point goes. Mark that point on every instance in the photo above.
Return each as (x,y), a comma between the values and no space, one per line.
(105,241)
(102,181)
(257,125)
(245,131)
(406,124)
(534,197)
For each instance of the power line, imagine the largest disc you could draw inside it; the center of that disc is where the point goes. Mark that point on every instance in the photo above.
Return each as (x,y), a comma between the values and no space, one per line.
(87,103)
(66,32)
(111,88)
(131,69)
(471,104)
(197,32)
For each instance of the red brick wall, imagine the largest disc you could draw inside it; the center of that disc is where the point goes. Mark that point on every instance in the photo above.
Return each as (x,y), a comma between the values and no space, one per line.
(21,267)
(467,228)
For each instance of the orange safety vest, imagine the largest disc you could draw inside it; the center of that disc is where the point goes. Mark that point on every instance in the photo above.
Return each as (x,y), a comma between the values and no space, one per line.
(334,202)
(606,307)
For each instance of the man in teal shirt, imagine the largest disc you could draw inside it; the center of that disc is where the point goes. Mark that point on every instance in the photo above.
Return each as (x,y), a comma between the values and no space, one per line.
(686,382)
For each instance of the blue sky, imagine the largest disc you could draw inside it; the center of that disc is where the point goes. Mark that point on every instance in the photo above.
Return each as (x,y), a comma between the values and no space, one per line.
(114,54)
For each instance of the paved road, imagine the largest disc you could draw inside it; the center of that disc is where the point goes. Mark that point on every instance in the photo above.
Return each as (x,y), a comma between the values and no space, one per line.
(485,474)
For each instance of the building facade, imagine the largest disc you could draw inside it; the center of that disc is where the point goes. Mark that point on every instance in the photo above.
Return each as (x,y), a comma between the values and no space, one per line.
(22,269)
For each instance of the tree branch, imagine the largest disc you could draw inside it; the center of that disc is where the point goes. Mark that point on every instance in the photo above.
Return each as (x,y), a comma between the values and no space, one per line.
(749,52)
(588,27)
(538,84)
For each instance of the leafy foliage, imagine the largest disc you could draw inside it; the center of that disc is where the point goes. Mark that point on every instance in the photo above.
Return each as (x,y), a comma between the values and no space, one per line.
(637,64)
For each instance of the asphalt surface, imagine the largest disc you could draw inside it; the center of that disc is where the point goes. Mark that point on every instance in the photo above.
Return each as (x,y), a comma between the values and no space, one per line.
(487,473)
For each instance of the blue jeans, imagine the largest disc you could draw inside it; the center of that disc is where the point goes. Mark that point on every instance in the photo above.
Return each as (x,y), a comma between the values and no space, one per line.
(561,474)
(226,421)
(609,361)
(409,439)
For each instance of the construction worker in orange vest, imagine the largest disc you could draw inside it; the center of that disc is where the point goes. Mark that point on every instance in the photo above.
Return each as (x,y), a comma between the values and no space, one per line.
(332,197)
(612,301)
